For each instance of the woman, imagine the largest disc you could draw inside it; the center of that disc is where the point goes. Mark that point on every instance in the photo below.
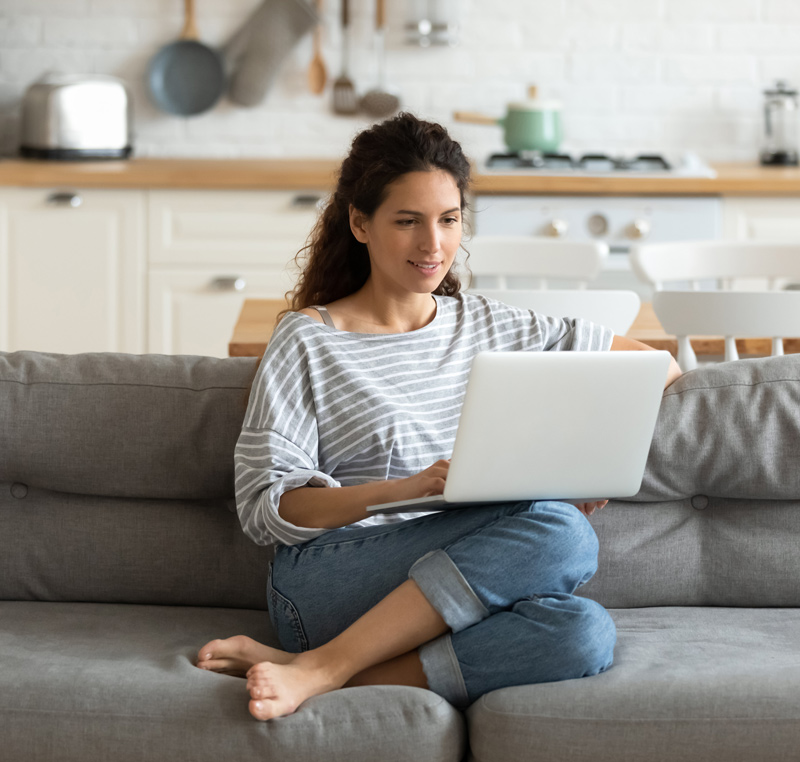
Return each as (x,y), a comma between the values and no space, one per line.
(356,403)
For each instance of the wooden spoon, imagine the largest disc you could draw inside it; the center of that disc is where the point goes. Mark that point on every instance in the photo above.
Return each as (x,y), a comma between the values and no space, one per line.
(317,74)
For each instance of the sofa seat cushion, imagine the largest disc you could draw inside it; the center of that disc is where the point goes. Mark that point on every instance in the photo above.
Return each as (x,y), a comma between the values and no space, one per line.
(81,682)
(689,684)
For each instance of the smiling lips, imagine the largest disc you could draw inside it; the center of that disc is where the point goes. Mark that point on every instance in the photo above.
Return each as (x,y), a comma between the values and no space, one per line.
(426,267)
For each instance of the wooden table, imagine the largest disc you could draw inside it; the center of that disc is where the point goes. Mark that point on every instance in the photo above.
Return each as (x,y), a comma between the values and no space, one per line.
(257,321)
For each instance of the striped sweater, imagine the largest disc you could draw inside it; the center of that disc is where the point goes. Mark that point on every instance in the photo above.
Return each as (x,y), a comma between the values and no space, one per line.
(331,408)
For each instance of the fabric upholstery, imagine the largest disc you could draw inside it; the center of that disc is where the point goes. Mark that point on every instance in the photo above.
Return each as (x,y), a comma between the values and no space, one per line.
(92,683)
(699,684)
(63,547)
(728,430)
(121,425)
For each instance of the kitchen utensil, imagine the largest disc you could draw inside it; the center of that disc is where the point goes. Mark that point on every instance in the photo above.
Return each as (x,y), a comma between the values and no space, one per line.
(317,75)
(258,49)
(71,116)
(532,125)
(780,126)
(187,77)
(382,100)
(344,92)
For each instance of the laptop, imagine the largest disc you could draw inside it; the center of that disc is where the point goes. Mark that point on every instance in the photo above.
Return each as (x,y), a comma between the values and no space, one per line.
(559,425)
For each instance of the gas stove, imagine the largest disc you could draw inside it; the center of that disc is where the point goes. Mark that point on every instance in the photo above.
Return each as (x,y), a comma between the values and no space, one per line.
(597,165)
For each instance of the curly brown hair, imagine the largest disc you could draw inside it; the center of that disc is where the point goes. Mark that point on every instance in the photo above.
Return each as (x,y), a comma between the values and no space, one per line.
(334,264)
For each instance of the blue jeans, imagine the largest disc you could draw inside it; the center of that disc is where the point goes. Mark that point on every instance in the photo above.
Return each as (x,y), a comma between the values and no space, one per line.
(502,577)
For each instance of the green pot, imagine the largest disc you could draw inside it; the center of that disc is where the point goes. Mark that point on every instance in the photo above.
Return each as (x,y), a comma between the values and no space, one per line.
(532,128)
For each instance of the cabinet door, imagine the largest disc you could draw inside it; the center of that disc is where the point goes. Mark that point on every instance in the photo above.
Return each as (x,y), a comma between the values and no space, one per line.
(72,270)
(194,311)
(762,219)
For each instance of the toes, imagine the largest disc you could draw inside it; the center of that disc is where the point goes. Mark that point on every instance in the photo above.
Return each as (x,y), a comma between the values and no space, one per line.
(269,709)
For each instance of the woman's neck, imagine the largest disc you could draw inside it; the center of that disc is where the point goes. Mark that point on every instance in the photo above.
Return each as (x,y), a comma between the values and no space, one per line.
(367,311)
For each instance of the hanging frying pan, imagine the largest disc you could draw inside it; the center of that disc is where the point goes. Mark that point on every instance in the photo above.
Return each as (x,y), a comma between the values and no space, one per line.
(186,77)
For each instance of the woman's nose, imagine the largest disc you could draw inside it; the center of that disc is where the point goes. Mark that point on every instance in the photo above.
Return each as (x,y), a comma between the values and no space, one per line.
(430,239)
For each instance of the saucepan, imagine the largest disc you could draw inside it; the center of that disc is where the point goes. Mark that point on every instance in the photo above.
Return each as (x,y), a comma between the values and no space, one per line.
(532,125)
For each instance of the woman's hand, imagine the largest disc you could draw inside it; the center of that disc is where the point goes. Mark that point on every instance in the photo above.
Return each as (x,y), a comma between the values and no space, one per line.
(425,483)
(587,509)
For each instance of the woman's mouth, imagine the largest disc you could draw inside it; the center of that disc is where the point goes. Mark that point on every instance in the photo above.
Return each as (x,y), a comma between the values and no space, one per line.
(428,268)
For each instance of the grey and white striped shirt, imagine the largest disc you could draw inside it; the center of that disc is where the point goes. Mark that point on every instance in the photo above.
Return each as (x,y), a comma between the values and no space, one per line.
(332,408)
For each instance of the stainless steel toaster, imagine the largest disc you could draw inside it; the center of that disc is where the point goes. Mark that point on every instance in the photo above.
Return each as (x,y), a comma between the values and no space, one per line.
(71,116)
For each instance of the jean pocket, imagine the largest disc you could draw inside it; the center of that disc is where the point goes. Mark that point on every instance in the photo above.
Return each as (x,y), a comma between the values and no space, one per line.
(285,619)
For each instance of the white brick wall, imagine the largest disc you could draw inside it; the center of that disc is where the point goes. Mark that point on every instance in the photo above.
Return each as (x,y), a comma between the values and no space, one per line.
(634,75)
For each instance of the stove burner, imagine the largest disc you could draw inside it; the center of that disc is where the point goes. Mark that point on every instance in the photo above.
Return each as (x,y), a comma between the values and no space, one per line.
(590,162)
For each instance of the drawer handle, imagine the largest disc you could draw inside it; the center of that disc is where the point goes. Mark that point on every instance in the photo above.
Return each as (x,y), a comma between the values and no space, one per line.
(65,198)
(306,200)
(229,283)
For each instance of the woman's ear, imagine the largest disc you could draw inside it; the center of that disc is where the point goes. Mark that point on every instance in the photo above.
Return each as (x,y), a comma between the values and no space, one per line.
(357,223)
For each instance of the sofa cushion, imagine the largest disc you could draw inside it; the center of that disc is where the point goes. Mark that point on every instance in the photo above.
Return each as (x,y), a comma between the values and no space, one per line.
(63,547)
(86,682)
(730,430)
(689,684)
(121,425)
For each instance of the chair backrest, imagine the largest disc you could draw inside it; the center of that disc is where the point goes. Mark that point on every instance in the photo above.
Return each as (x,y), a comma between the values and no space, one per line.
(732,314)
(722,261)
(615,309)
(540,258)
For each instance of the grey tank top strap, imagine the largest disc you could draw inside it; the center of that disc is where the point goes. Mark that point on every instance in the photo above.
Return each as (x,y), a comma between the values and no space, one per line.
(325,315)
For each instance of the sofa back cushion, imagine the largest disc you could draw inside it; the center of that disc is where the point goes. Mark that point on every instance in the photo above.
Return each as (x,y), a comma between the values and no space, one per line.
(116,480)
(717,520)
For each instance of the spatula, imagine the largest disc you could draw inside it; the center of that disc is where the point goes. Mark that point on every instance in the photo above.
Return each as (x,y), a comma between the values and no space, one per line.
(344,92)
(317,74)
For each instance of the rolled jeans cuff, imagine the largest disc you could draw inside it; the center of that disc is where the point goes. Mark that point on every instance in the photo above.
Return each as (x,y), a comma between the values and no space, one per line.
(447,590)
(443,672)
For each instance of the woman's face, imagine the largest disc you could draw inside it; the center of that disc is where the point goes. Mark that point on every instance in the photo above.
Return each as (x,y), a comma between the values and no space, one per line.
(414,235)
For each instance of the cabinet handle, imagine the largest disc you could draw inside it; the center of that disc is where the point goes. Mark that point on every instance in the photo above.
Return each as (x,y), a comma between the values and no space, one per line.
(229,283)
(305,200)
(65,198)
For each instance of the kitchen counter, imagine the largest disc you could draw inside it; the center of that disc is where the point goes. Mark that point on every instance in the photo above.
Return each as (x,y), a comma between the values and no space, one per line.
(735,179)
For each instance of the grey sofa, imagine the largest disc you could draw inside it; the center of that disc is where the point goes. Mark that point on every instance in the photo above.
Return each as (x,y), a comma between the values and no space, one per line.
(121,554)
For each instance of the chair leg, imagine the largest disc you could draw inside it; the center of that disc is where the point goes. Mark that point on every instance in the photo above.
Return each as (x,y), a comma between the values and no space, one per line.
(731,352)
(777,347)
(687,359)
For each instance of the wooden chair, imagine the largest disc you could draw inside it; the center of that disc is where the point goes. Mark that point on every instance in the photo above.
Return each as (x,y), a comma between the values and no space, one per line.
(529,257)
(732,314)
(615,309)
(722,262)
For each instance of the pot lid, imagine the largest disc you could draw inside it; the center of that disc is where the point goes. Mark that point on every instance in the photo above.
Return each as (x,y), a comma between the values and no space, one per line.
(781,88)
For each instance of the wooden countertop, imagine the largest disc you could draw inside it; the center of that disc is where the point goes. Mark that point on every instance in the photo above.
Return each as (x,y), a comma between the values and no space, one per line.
(739,179)
(258,316)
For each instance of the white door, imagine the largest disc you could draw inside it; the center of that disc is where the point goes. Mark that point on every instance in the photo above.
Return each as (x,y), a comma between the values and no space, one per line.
(72,270)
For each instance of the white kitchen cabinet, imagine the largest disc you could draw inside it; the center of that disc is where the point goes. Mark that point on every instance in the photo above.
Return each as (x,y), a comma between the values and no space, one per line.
(761,219)
(209,251)
(72,270)
(193,311)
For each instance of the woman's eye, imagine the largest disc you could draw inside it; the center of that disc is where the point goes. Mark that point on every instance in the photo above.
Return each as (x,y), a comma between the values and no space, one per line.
(406,223)
(450,220)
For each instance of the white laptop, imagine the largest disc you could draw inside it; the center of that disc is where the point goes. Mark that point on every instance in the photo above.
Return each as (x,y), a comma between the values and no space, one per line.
(572,426)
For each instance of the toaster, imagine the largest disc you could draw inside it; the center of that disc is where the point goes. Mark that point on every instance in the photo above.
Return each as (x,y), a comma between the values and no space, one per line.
(71,116)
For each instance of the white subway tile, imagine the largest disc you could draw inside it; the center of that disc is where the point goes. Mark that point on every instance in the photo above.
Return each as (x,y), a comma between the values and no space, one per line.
(666,100)
(97,32)
(20,31)
(614,67)
(583,11)
(764,38)
(722,11)
(672,38)
(710,69)
(782,11)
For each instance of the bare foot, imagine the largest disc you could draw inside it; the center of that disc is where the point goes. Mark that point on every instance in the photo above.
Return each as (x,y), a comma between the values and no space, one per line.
(234,656)
(278,689)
